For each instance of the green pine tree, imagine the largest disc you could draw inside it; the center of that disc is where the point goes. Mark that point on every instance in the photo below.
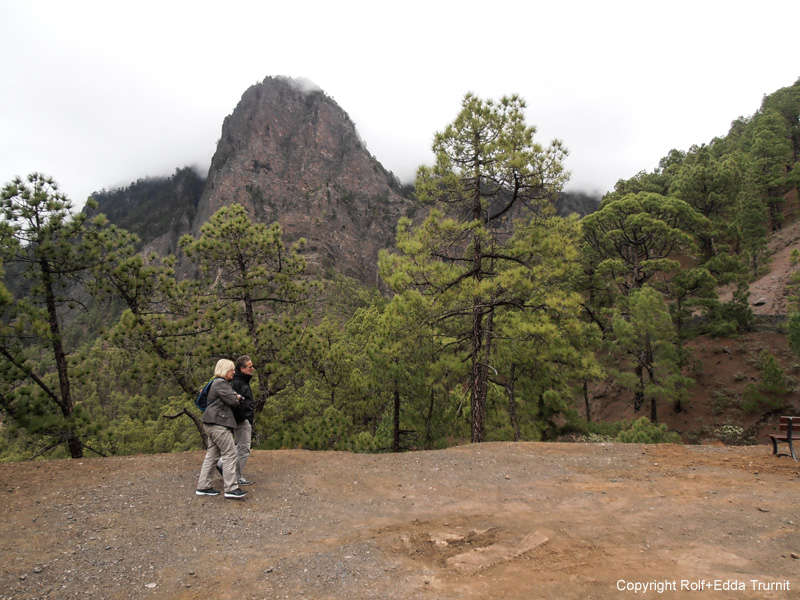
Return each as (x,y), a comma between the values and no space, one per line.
(487,168)
(49,251)
(646,335)
(260,286)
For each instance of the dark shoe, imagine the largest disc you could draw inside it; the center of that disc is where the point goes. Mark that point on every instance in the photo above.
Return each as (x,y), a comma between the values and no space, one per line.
(237,493)
(207,492)
(219,469)
(243,481)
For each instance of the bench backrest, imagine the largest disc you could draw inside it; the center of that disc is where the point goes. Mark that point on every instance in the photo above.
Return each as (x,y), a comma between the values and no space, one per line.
(789,423)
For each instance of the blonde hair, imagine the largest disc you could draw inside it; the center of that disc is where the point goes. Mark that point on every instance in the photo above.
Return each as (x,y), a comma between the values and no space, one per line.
(223,366)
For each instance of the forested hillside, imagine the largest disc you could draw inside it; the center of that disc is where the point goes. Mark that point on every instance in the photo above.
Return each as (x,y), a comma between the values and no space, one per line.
(497,318)
(155,208)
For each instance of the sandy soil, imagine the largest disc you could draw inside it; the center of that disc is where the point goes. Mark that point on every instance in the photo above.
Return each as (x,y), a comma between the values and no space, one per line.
(501,520)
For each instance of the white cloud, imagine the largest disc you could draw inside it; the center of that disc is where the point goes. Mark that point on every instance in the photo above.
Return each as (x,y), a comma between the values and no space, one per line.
(98,94)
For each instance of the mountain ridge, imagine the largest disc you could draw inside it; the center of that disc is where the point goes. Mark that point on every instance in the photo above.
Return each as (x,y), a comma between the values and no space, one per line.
(288,153)
(292,155)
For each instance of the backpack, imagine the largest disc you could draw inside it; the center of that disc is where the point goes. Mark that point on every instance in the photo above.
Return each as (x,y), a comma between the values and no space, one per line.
(202,399)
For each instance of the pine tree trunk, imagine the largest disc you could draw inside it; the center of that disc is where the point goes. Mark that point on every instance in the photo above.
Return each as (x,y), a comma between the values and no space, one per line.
(512,404)
(638,395)
(478,403)
(478,388)
(586,401)
(649,361)
(75,447)
(429,421)
(486,351)
(653,400)
(62,368)
(396,436)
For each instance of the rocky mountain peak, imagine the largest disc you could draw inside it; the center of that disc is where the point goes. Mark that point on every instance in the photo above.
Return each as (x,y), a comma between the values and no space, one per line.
(289,153)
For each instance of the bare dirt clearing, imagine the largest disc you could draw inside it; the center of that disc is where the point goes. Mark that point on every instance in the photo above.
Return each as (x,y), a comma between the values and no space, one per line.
(501,520)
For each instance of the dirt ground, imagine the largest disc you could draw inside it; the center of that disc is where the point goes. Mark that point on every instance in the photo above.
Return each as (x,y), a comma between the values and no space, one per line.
(498,520)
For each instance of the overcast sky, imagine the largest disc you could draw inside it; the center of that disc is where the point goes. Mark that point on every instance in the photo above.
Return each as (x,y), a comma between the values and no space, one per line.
(100,94)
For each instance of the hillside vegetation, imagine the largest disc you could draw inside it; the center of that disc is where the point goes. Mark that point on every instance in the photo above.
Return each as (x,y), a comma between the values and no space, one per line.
(494,318)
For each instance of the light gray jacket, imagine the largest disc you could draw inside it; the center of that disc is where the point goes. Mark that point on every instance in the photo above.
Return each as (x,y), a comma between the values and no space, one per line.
(220,399)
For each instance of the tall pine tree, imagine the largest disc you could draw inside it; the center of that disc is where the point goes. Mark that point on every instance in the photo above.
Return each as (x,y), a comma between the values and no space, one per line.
(488,169)
(47,251)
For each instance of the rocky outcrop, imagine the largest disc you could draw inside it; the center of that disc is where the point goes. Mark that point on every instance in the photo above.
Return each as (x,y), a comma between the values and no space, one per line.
(289,153)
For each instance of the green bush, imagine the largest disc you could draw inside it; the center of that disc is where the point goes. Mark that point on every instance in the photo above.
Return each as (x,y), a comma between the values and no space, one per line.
(730,434)
(645,432)
(773,380)
(754,401)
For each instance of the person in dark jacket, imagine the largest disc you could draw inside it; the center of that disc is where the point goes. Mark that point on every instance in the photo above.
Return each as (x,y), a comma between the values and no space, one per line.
(245,414)
(219,423)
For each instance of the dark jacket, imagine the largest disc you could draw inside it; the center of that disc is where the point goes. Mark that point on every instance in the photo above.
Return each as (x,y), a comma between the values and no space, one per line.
(221,398)
(247,407)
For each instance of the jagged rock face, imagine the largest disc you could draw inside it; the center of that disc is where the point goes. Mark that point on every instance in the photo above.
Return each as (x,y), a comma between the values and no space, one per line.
(294,156)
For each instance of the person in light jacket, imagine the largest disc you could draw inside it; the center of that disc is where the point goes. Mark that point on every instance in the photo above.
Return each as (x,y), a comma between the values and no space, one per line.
(219,423)
(244,415)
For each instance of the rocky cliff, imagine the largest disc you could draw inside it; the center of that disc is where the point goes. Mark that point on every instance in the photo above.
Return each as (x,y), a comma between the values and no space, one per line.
(291,154)
(287,153)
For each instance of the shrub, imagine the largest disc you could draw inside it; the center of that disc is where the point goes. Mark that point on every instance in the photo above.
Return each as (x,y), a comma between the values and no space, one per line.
(772,380)
(643,431)
(729,434)
(753,401)
(595,438)
(721,401)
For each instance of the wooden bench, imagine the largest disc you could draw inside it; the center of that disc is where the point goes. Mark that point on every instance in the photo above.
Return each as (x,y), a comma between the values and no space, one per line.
(789,430)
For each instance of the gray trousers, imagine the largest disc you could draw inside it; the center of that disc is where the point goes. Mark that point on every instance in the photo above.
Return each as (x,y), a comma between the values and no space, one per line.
(220,445)
(242,437)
